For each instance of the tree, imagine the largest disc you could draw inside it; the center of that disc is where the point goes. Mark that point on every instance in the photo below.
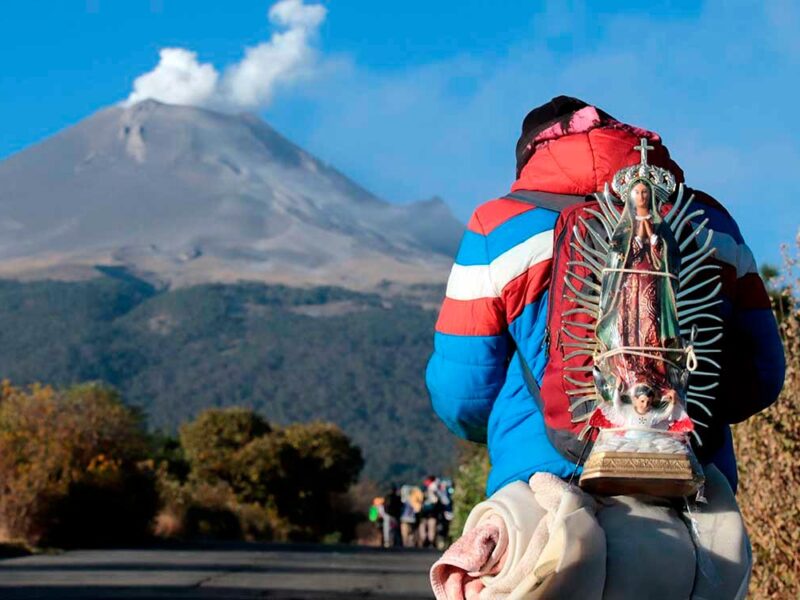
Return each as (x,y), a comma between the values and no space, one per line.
(215,436)
(325,451)
(327,464)
(262,469)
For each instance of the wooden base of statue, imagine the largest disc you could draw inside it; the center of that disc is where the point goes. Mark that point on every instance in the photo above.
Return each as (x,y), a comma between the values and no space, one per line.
(651,473)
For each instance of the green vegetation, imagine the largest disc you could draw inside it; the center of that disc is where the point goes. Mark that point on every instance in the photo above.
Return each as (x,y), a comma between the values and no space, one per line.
(249,479)
(292,355)
(79,470)
(469,483)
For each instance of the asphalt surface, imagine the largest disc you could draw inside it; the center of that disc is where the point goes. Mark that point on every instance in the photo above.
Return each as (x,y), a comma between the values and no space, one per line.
(232,571)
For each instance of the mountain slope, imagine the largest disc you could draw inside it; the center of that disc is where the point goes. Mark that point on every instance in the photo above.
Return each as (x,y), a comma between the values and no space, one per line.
(292,354)
(185,195)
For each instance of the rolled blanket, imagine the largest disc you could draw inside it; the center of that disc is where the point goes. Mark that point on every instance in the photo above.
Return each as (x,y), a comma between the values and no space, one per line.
(550,532)
(551,540)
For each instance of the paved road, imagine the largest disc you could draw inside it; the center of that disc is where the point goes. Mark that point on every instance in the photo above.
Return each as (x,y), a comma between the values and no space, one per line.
(233,572)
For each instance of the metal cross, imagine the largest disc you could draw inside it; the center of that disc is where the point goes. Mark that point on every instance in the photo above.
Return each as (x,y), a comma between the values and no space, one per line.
(644,148)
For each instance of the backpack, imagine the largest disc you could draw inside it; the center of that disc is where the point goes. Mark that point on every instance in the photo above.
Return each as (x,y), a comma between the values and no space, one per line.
(566,397)
(565,429)
(374,513)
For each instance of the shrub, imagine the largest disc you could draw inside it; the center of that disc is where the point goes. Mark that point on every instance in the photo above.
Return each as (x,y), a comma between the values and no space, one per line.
(326,464)
(261,470)
(279,483)
(211,440)
(324,450)
(71,466)
(767,449)
(104,509)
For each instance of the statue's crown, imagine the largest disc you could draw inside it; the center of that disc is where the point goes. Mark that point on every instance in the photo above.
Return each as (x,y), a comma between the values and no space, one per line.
(658,177)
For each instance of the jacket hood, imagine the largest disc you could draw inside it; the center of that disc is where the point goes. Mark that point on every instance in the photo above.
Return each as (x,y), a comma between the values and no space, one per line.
(568,146)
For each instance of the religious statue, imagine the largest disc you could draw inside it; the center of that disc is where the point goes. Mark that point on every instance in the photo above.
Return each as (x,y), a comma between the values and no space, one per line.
(638,324)
(641,358)
(641,412)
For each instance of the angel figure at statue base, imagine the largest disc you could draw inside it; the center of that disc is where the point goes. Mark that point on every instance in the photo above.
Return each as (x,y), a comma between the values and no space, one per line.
(638,411)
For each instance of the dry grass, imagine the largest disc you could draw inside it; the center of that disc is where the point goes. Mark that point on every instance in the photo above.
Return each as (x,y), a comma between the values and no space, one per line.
(767,448)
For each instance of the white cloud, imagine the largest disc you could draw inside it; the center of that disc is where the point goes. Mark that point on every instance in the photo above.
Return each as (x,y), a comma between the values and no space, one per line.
(293,13)
(449,126)
(179,78)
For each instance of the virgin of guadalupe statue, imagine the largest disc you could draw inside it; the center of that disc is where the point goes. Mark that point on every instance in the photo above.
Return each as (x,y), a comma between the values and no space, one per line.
(638,326)
(641,361)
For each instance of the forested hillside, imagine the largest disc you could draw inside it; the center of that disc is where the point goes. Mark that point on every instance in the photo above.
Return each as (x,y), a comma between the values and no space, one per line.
(292,354)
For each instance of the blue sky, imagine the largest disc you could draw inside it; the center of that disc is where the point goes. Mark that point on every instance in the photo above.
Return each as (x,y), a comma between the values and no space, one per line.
(413,99)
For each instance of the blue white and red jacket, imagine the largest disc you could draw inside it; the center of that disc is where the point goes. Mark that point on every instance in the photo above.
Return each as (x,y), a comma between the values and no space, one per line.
(495,308)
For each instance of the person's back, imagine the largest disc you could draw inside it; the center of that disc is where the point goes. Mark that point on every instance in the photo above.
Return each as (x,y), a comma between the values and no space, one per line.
(392,509)
(431,509)
(494,319)
(393,504)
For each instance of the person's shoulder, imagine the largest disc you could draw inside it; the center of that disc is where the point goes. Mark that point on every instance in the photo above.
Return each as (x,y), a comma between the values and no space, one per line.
(720,220)
(505,212)
(732,251)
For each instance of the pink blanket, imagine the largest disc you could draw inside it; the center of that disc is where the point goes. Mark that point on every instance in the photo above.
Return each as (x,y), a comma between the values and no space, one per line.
(456,576)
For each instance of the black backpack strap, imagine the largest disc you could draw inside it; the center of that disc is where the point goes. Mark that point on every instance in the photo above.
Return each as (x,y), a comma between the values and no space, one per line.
(555,202)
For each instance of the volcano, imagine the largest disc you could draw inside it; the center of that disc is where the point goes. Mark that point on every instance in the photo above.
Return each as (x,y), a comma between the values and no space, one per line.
(183,196)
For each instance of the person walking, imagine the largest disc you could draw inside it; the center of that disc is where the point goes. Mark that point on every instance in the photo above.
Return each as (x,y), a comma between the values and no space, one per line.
(408,518)
(493,338)
(431,510)
(393,509)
